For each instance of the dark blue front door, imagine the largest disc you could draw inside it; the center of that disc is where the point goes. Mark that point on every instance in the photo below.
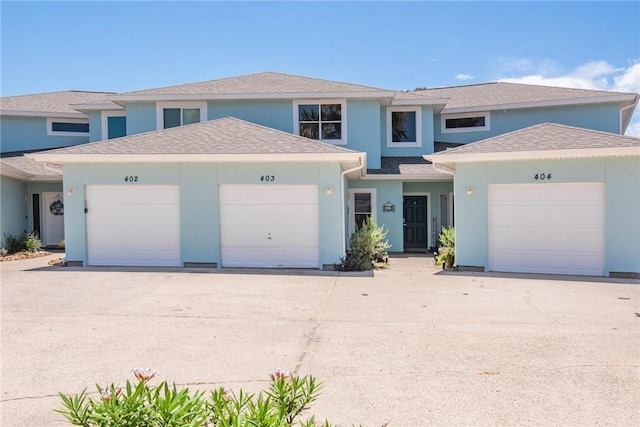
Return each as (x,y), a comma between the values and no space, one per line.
(415,223)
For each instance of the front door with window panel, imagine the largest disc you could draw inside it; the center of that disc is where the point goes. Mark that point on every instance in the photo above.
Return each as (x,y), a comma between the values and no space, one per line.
(52,218)
(415,223)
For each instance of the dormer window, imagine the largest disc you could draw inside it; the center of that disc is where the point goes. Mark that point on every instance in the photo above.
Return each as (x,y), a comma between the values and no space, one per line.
(173,114)
(472,122)
(324,121)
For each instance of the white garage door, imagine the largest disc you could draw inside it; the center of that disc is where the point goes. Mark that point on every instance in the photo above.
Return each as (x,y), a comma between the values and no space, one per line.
(547,228)
(271,226)
(133,225)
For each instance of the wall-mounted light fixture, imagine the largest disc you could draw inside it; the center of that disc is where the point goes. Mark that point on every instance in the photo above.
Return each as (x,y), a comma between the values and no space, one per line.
(328,191)
(470,190)
(388,207)
(71,191)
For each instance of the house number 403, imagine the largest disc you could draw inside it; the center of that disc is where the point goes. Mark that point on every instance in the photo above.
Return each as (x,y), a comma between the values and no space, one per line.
(267,178)
(542,176)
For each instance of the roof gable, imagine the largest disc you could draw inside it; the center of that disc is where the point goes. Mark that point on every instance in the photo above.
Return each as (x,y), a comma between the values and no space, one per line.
(499,95)
(257,84)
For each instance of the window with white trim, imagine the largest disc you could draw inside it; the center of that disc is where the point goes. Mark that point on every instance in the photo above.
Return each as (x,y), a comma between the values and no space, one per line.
(173,114)
(362,205)
(67,127)
(404,127)
(324,120)
(471,122)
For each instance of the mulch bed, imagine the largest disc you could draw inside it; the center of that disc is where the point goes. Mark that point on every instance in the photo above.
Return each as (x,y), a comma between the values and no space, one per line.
(23,255)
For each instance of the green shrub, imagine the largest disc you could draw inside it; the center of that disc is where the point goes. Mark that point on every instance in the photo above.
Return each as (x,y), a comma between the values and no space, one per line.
(154,406)
(367,242)
(14,244)
(349,263)
(447,237)
(33,243)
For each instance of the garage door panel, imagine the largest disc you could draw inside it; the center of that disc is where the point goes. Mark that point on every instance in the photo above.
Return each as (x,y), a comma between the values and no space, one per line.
(133,225)
(269,226)
(547,228)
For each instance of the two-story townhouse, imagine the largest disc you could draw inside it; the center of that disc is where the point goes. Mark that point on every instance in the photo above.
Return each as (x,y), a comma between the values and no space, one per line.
(277,170)
(31,192)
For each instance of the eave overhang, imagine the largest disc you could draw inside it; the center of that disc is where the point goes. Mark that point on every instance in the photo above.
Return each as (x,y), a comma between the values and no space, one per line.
(43,114)
(617,98)
(124,99)
(451,159)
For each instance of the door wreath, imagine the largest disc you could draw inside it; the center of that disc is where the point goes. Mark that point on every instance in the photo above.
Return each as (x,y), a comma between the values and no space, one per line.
(57,208)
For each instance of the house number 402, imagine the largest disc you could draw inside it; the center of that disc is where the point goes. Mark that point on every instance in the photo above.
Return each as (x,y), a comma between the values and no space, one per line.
(542,176)
(131,178)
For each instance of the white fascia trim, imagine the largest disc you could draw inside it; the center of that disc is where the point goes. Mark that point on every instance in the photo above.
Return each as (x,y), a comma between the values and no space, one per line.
(417,143)
(186,158)
(244,96)
(534,155)
(625,119)
(96,107)
(406,177)
(104,116)
(43,114)
(539,104)
(160,106)
(428,101)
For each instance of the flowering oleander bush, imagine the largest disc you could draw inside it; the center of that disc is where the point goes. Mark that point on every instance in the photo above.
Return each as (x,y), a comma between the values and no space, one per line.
(142,405)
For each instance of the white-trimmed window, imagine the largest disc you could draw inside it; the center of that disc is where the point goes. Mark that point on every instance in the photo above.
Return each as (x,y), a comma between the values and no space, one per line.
(468,122)
(362,205)
(67,127)
(324,120)
(173,114)
(114,124)
(404,127)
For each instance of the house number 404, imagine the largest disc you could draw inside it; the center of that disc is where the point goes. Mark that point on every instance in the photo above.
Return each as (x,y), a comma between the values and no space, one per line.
(542,176)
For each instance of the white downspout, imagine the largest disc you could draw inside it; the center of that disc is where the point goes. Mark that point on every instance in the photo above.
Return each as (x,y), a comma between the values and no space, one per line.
(342,203)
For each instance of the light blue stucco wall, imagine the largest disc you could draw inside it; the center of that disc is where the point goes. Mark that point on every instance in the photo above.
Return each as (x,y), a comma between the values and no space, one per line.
(276,114)
(13,208)
(141,118)
(622,198)
(30,133)
(199,214)
(427,136)
(605,118)
(363,122)
(95,126)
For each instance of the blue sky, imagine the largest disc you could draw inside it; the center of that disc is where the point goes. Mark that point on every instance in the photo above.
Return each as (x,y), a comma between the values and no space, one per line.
(121,46)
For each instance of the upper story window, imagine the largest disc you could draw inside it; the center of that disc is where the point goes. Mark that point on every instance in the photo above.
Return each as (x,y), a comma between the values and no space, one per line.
(68,127)
(325,120)
(472,122)
(173,114)
(404,127)
(114,124)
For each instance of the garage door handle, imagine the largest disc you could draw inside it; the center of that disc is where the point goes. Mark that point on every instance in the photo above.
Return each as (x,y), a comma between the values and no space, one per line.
(269,236)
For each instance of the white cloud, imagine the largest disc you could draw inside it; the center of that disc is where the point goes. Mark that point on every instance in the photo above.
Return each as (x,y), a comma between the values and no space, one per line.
(464,77)
(597,75)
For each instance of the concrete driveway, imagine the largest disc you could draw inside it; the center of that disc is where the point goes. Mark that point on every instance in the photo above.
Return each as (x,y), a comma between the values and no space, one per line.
(411,346)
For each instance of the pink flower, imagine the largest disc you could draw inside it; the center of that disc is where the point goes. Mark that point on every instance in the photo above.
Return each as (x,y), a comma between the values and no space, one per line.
(106,394)
(279,374)
(144,374)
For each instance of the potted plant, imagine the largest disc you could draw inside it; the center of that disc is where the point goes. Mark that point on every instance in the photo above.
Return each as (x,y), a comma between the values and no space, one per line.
(446,257)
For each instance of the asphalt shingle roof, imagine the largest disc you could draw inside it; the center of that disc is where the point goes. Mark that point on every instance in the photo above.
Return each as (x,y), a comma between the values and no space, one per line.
(222,136)
(407,166)
(50,102)
(545,137)
(261,83)
(28,166)
(503,93)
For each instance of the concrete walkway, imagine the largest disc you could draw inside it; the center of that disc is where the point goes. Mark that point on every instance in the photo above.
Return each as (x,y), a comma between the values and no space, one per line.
(410,346)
